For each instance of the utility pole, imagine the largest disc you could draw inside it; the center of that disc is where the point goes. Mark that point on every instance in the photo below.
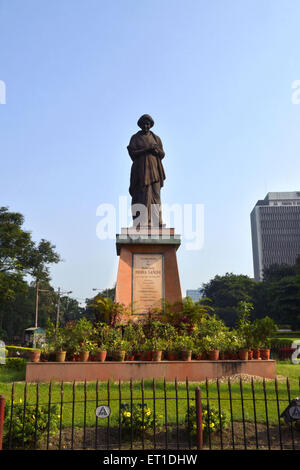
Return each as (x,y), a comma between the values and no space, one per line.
(36,303)
(59,293)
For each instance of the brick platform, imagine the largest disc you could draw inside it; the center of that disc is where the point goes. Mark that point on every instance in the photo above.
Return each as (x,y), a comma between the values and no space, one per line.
(194,370)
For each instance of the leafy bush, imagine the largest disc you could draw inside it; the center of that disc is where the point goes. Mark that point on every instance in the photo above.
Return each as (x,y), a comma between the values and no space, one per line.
(16,363)
(142,419)
(33,422)
(211,420)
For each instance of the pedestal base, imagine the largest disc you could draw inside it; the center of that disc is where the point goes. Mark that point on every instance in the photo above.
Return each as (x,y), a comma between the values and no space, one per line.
(148,270)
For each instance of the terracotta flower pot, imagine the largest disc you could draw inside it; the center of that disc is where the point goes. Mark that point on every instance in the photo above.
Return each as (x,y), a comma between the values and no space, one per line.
(129,357)
(60,356)
(250,354)
(256,354)
(200,357)
(84,356)
(101,355)
(119,356)
(146,356)
(186,355)
(213,355)
(243,354)
(156,355)
(172,355)
(222,356)
(34,356)
(265,354)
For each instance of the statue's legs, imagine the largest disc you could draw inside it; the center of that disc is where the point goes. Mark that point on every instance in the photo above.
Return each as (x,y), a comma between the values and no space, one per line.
(149,196)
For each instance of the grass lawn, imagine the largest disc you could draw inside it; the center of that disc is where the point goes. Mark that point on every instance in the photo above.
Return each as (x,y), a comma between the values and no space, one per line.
(84,410)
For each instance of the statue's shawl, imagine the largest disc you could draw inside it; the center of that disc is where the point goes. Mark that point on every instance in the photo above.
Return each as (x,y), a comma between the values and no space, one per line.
(147,168)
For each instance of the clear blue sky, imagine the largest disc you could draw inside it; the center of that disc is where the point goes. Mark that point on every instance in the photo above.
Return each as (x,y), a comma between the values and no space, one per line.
(216,76)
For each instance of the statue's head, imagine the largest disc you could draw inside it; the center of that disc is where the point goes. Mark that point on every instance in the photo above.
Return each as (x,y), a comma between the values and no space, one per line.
(145,122)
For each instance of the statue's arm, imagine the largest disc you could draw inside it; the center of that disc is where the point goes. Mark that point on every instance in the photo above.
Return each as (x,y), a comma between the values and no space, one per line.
(159,149)
(134,154)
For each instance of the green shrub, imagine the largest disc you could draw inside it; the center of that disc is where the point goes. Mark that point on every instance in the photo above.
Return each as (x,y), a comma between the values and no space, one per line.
(16,363)
(34,422)
(142,419)
(211,420)
(281,342)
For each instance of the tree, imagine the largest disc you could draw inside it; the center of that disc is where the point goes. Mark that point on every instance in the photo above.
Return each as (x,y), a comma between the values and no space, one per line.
(275,272)
(20,255)
(226,292)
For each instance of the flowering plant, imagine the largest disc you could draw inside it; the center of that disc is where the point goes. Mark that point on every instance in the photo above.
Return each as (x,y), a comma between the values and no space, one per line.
(212,420)
(35,423)
(139,418)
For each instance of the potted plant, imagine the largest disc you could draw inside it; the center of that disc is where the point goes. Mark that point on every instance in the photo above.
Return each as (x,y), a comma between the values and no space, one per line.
(35,355)
(101,352)
(56,341)
(157,347)
(198,350)
(146,349)
(102,337)
(185,345)
(265,329)
(119,350)
(211,346)
(234,345)
(171,349)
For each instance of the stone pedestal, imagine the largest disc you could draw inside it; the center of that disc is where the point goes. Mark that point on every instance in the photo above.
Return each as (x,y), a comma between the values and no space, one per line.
(148,270)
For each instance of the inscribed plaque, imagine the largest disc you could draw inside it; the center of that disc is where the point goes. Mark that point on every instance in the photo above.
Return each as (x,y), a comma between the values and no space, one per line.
(147,282)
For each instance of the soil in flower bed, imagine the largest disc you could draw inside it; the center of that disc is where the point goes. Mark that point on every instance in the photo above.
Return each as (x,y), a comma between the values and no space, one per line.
(256,438)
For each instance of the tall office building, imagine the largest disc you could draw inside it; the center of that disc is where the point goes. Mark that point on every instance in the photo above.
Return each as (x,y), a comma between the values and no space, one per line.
(195,294)
(275,227)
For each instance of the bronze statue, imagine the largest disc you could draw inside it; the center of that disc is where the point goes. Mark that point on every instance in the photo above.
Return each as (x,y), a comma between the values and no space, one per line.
(147,172)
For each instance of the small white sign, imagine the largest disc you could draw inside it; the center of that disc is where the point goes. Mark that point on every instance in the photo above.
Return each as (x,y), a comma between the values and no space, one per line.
(2,352)
(294,358)
(103,411)
(294,412)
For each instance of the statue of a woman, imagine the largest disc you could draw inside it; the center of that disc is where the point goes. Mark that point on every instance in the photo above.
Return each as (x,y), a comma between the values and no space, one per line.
(147,172)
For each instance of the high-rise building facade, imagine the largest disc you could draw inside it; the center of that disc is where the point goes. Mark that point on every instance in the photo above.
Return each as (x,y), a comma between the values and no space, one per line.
(275,227)
(195,294)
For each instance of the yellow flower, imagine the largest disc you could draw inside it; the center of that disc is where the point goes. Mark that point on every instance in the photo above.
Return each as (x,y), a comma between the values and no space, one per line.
(212,425)
(148,413)
(127,414)
(205,412)
(21,401)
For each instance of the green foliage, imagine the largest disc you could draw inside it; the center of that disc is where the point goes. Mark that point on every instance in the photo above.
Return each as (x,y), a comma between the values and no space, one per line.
(184,343)
(264,329)
(275,272)
(55,337)
(34,422)
(106,310)
(139,419)
(16,363)
(212,420)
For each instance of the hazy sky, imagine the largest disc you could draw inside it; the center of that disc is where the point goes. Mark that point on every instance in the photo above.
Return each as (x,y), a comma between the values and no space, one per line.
(215,75)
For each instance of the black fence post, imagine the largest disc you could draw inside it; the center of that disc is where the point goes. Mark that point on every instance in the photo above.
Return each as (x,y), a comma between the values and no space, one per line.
(2,408)
(199,418)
